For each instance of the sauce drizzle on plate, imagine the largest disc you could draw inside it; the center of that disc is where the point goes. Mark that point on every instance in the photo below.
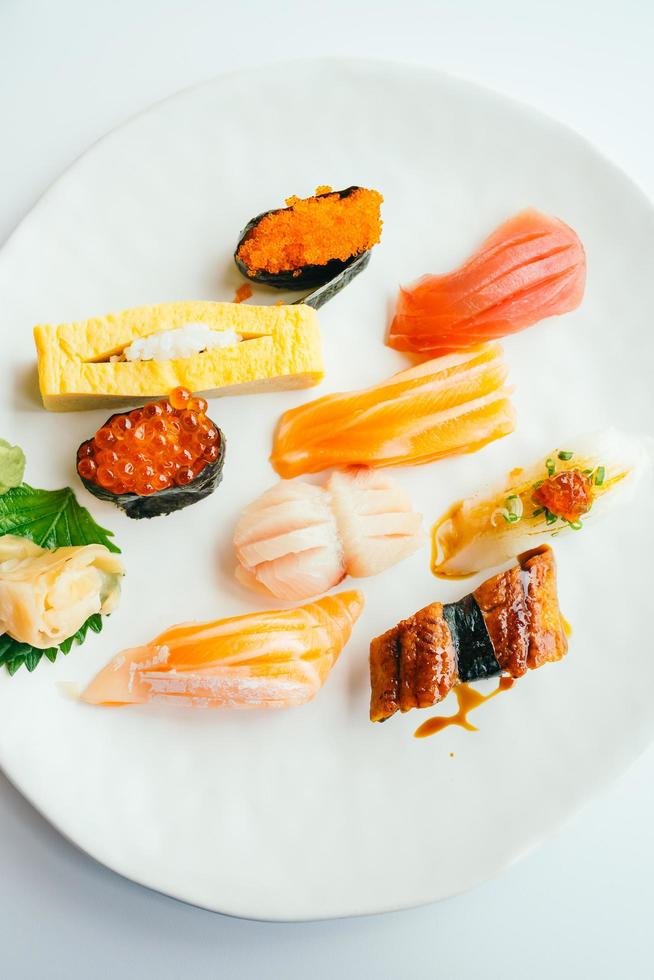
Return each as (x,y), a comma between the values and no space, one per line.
(468,699)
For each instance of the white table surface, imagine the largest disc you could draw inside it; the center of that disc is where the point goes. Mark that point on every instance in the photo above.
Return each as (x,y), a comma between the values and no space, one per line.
(581,905)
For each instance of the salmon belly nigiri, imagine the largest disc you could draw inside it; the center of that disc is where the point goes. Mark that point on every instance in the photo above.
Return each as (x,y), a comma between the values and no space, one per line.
(271,659)
(530,268)
(442,407)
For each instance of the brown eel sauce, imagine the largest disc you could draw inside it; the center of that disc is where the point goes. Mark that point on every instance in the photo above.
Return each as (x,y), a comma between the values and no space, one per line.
(468,699)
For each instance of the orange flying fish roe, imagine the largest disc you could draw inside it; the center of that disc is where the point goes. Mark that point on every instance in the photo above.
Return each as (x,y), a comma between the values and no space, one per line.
(163,444)
(242,293)
(313,231)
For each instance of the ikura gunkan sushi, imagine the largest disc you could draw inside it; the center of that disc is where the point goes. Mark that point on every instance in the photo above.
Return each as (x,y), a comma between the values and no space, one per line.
(510,624)
(156,459)
(531,267)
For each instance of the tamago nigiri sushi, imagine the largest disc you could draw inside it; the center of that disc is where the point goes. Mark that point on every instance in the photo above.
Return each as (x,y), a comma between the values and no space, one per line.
(271,659)
(531,267)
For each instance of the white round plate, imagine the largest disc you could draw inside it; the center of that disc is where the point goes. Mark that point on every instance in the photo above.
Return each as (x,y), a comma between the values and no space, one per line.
(315,812)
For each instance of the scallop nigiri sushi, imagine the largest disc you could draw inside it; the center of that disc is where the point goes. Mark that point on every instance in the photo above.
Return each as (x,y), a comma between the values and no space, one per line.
(531,267)
(552,496)
(446,406)
(298,540)
(271,659)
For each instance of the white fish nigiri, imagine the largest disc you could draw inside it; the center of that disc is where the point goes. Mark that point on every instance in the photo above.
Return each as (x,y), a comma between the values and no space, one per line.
(376,522)
(299,540)
(287,542)
(46,596)
(560,492)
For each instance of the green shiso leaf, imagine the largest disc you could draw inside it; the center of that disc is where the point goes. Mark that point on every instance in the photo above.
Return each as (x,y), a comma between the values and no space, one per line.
(12,466)
(52,519)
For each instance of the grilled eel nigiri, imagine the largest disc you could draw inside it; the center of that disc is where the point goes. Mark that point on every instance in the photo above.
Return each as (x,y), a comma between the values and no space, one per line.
(510,624)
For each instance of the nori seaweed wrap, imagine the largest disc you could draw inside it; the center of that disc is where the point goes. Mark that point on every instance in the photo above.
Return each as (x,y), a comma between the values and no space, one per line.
(474,650)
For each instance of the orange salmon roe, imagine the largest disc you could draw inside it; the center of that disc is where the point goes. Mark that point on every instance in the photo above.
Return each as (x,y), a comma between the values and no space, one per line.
(161,445)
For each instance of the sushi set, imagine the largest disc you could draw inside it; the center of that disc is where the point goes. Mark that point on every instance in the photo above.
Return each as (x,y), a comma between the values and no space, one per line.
(283,814)
(60,572)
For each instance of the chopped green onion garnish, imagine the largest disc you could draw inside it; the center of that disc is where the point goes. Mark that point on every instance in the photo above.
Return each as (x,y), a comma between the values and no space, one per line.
(538,512)
(513,508)
(599,476)
(538,484)
(551,466)
(575,525)
(586,472)
(550,518)
(565,455)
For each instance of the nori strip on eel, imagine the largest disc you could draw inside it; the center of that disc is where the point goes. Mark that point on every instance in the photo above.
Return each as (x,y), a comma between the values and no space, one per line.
(475,653)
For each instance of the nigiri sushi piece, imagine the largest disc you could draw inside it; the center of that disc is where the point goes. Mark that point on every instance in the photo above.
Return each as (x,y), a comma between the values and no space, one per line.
(532,267)
(271,659)
(376,522)
(298,540)
(510,624)
(449,405)
(553,495)
(47,595)
(219,349)
(287,542)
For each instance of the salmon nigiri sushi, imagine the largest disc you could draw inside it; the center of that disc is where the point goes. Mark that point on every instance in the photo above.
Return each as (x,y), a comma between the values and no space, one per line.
(271,659)
(532,267)
(442,407)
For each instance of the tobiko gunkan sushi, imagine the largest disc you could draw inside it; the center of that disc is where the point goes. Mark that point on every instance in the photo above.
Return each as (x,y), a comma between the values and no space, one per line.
(156,459)
(319,243)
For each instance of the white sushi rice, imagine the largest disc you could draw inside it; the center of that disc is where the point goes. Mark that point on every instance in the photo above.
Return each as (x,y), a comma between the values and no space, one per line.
(185,341)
